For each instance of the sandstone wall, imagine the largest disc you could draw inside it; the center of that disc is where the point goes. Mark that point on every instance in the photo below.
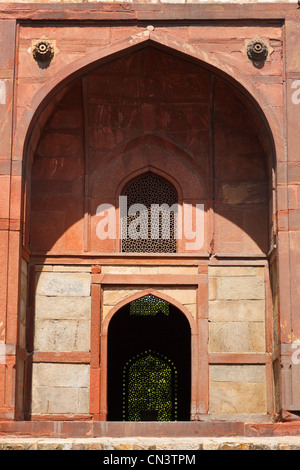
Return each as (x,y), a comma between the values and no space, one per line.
(236,324)
(62,323)
(236,309)
(60,389)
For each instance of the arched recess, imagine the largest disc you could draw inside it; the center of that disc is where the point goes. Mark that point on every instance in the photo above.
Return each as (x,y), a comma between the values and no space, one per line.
(154,142)
(189,364)
(38,108)
(37,111)
(128,161)
(31,124)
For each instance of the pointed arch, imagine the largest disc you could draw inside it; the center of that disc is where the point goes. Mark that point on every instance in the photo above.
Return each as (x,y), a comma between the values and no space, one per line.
(155,293)
(155,171)
(28,131)
(133,336)
(155,141)
(34,116)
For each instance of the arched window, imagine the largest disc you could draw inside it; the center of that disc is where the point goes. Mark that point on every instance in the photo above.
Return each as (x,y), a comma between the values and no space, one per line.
(149,362)
(150,388)
(150,216)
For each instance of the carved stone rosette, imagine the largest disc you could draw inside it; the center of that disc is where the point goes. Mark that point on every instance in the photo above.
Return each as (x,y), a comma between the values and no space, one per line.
(43,51)
(257,50)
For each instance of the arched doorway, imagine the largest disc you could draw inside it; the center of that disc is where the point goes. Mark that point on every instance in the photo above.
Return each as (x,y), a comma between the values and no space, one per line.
(149,362)
(209,143)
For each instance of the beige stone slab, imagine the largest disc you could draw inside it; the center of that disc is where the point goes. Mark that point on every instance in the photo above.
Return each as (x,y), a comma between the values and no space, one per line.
(114,295)
(212,288)
(192,308)
(176,270)
(261,270)
(234,288)
(66,308)
(231,271)
(105,310)
(237,373)
(236,310)
(60,375)
(237,397)
(63,284)
(237,337)
(183,295)
(62,335)
(120,269)
(60,400)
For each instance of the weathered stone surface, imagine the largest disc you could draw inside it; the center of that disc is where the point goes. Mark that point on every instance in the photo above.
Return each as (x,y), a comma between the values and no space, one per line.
(88,446)
(113,295)
(56,400)
(62,335)
(237,373)
(60,388)
(237,397)
(20,446)
(105,310)
(192,308)
(149,269)
(152,444)
(237,337)
(212,288)
(63,284)
(180,92)
(233,288)
(120,269)
(60,375)
(62,308)
(233,446)
(184,295)
(232,271)
(237,311)
(243,193)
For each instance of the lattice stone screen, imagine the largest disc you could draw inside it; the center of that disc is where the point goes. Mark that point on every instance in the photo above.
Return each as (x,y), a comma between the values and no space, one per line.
(150,388)
(149,305)
(157,232)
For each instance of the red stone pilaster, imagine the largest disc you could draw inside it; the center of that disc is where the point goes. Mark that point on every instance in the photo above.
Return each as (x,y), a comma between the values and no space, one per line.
(10,192)
(288,201)
(95,391)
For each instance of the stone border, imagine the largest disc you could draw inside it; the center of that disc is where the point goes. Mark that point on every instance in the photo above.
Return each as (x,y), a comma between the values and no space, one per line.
(152,444)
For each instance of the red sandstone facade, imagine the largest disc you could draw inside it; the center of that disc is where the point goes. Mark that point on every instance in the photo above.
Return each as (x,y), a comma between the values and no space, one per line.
(168,90)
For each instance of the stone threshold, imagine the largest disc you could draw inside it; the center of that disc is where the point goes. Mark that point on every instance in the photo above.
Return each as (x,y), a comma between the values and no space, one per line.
(149,430)
(154,445)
